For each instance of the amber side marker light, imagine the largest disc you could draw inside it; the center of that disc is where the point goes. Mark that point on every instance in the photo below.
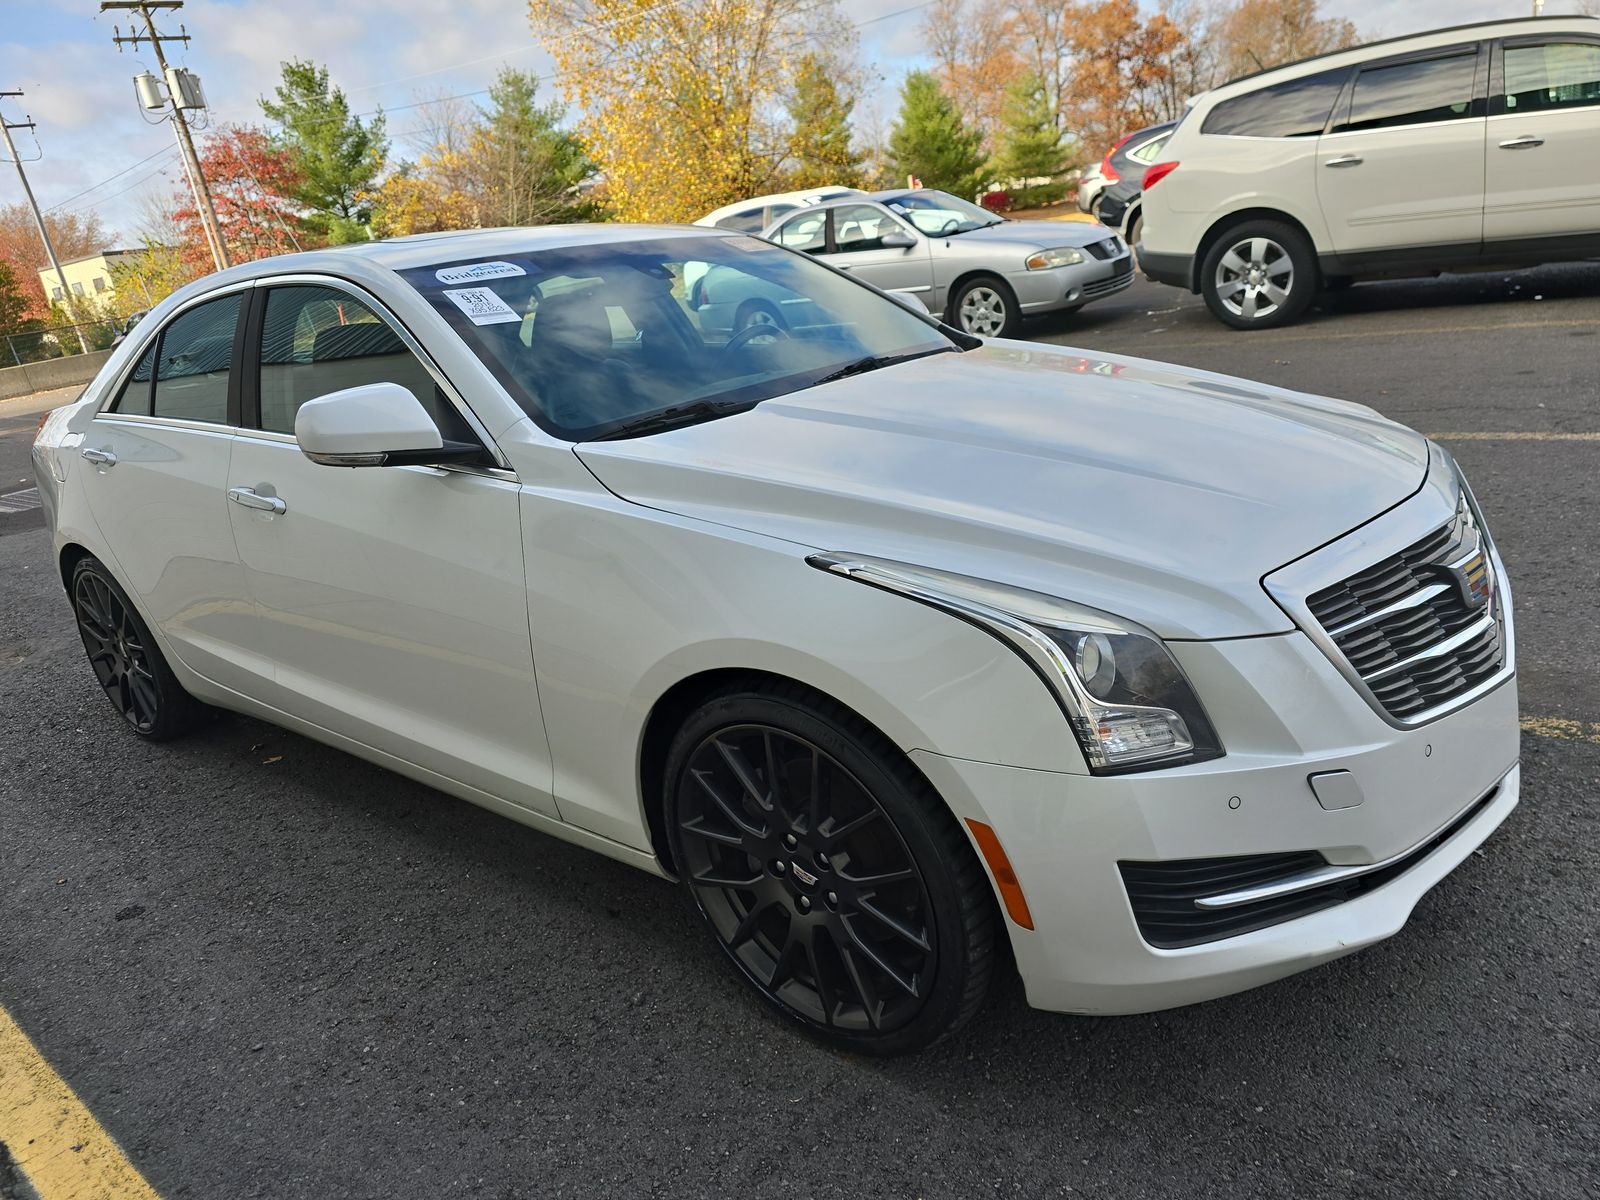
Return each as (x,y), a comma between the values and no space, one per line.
(1000,867)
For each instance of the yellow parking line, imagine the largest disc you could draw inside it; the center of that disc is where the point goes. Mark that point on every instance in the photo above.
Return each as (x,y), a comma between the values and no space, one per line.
(1515,437)
(1560,727)
(51,1136)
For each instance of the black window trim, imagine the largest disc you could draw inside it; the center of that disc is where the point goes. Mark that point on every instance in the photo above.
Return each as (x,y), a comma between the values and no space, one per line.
(1480,86)
(154,340)
(250,365)
(1497,67)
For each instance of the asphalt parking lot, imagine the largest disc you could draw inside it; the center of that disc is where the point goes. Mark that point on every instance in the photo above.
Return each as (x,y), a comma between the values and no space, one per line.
(270,969)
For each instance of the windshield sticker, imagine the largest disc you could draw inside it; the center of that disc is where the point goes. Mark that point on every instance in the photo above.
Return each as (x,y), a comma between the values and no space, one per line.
(476,271)
(482,306)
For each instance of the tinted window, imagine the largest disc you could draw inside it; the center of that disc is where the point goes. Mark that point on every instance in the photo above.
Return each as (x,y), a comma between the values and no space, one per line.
(316,340)
(587,337)
(1147,152)
(1414,93)
(196,354)
(1298,108)
(135,395)
(753,221)
(1561,75)
(862,226)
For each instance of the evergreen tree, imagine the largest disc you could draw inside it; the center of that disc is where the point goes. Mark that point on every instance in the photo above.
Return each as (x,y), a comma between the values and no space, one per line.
(337,156)
(820,144)
(1030,144)
(932,142)
(526,168)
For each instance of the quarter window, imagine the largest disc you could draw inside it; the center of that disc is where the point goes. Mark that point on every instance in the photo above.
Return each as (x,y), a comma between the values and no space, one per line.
(191,372)
(1559,75)
(753,221)
(1296,108)
(317,340)
(135,395)
(1414,93)
(862,227)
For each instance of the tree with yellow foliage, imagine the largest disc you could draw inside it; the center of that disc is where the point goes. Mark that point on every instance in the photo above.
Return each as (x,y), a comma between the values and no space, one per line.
(682,100)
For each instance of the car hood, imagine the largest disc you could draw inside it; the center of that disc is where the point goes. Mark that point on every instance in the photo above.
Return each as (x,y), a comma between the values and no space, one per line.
(1038,235)
(1157,493)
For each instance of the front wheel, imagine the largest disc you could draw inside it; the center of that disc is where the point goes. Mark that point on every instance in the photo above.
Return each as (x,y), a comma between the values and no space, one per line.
(1259,275)
(985,307)
(829,873)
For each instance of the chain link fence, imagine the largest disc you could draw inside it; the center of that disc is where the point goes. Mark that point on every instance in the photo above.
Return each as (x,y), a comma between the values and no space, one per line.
(38,345)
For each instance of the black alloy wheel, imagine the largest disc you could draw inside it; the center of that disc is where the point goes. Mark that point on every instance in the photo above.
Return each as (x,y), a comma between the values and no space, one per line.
(843,890)
(126,660)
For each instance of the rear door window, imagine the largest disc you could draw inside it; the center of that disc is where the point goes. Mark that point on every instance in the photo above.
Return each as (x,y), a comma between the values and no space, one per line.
(1557,75)
(1414,93)
(1296,108)
(194,362)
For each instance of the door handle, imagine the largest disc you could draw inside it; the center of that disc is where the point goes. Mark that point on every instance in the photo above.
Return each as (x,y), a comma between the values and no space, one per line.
(1521,143)
(100,458)
(1344,160)
(252,499)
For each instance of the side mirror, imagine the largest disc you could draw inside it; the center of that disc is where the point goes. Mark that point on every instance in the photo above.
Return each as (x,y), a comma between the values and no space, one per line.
(376,425)
(912,301)
(897,241)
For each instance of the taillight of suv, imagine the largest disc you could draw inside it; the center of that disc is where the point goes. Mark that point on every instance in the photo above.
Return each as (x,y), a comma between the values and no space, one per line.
(1155,174)
(1106,169)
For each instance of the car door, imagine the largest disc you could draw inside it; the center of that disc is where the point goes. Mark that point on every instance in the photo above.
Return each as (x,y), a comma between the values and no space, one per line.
(156,479)
(1401,171)
(392,600)
(856,244)
(1542,152)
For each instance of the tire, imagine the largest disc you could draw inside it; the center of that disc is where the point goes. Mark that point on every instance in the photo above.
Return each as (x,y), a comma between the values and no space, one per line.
(985,306)
(848,897)
(126,660)
(1259,275)
(756,312)
(1135,230)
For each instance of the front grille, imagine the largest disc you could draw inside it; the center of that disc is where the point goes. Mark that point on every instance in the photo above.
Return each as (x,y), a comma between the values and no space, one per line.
(1163,894)
(1423,626)
(1103,249)
(1121,279)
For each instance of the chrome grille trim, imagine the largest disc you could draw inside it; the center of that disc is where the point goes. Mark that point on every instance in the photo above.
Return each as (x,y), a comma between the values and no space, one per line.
(1387,603)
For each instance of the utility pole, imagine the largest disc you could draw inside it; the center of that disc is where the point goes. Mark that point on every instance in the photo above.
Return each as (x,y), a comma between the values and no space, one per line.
(49,247)
(180,125)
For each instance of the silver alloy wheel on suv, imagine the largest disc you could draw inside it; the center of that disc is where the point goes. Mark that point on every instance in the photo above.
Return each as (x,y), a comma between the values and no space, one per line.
(1254,278)
(1259,274)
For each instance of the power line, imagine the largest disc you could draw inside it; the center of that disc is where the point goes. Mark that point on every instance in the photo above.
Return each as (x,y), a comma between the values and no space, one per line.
(96,187)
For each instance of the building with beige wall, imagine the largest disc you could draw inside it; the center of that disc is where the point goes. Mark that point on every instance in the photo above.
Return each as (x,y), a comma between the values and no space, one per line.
(88,276)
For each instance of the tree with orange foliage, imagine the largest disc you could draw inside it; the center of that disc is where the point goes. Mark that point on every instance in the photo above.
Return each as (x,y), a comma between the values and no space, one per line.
(974,43)
(73,233)
(1121,62)
(1257,34)
(252,185)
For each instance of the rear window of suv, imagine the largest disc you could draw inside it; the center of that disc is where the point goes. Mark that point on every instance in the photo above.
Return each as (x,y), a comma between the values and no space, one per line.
(1293,109)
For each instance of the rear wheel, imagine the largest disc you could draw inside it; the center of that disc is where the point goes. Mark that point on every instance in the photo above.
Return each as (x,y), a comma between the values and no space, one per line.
(828,871)
(1259,275)
(126,660)
(985,307)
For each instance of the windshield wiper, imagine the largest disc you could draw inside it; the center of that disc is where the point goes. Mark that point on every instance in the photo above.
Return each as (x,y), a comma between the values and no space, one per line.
(670,418)
(873,361)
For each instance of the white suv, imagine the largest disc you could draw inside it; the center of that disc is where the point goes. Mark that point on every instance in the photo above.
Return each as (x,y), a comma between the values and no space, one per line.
(1471,147)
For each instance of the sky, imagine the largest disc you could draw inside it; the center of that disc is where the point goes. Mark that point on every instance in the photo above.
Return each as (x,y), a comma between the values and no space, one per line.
(97,151)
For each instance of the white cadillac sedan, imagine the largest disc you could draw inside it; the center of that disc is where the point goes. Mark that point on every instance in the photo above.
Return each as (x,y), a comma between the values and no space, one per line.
(889,643)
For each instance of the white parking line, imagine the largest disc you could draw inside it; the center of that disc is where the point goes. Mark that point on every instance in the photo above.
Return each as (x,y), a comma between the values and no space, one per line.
(15,502)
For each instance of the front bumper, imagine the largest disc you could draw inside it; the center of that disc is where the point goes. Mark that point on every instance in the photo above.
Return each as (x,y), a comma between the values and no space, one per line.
(1071,287)
(1067,834)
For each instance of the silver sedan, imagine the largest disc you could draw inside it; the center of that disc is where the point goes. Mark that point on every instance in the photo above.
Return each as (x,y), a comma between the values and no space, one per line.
(978,271)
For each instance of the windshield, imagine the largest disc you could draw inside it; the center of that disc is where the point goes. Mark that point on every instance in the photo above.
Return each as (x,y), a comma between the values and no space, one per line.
(589,339)
(939,214)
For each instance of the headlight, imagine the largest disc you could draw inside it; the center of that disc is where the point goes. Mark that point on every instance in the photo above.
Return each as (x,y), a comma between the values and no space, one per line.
(1128,702)
(1063,256)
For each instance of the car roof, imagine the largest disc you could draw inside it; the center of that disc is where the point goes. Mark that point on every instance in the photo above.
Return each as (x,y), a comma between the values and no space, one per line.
(426,249)
(739,206)
(1425,40)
